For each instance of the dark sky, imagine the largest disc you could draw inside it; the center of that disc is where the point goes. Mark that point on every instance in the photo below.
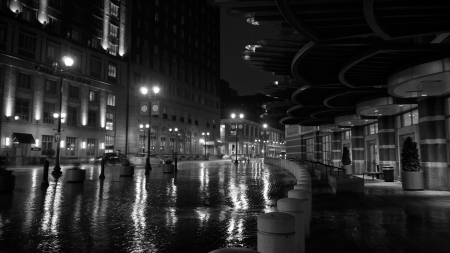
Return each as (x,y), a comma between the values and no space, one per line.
(235,34)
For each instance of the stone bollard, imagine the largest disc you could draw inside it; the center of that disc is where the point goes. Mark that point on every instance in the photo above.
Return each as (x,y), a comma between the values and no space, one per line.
(296,208)
(276,233)
(102,170)
(303,195)
(234,250)
(305,188)
(45,176)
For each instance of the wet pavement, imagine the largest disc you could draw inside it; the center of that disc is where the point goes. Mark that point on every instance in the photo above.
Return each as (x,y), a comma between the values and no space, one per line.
(384,218)
(205,206)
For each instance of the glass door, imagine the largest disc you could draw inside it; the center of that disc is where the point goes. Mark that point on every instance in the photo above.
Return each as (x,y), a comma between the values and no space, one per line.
(372,156)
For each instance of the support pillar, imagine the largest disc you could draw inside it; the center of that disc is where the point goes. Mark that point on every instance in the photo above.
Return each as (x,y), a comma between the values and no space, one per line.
(303,149)
(386,143)
(433,148)
(336,146)
(358,162)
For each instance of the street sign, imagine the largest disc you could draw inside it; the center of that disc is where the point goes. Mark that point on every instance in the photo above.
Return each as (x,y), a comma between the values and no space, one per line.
(57,137)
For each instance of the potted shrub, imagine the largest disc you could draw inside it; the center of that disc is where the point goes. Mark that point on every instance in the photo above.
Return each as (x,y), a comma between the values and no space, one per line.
(168,166)
(346,162)
(7,180)
(412,174)
(127,169)
(75,173)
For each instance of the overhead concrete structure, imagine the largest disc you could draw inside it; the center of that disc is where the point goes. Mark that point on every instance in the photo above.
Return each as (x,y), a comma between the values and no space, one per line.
(372,67)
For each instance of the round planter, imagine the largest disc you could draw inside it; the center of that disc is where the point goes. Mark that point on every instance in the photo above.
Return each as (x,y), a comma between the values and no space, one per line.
(126,171)
(348,169)
(413,181)
(168,168)
(7,183)
(75,175)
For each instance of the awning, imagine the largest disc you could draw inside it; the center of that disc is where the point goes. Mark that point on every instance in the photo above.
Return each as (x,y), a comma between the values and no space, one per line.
(23,138)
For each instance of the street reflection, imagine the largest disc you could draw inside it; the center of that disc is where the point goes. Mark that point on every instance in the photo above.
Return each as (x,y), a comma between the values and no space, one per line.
(51,215)
(138,214)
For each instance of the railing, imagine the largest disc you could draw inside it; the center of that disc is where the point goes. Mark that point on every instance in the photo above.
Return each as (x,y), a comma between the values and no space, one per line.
(328,167)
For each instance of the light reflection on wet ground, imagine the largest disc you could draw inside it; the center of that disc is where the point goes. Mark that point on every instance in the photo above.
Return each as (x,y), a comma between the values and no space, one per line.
(206,206)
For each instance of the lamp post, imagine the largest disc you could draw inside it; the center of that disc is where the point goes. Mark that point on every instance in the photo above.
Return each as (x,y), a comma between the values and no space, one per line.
(205,136)
(265,139)
(141,127)
(68,62)
(173,132)
(241,116)
(144,91)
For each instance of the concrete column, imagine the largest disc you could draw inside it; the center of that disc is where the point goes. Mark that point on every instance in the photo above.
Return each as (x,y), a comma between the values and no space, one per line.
(386,142)
(296,208)
(84,107)
(234,250)
(42,15)
(304,196)
(433,149)
(9,92)
(358,162)
(122,27)
(106,14)
(336,146)
(38,98)
(276,233)
(303,148)
(318,155)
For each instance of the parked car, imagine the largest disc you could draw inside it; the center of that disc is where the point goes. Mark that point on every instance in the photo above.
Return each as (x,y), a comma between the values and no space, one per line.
(240,157)
(226,156)
(110,158)
(139,160)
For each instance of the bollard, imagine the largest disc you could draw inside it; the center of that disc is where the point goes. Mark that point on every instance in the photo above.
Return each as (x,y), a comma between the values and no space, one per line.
(296,208)
(276,233)
(305,188)
(102,170)
(234,250)
(45,176)
(303,195)
(175,169)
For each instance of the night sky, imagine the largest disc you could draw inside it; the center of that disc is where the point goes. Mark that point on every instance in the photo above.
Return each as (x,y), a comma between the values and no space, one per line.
(235,34)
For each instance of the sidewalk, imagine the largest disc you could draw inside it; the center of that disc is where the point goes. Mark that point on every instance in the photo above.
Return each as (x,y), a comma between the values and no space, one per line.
(385,218)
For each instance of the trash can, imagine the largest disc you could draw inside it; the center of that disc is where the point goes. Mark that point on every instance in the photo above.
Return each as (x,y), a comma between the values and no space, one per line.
(388,173)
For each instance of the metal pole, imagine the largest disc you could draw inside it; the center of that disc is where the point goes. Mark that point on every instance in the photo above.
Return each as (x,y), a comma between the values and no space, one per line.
(176,156)
(57,169)
(236,161)
(148,166)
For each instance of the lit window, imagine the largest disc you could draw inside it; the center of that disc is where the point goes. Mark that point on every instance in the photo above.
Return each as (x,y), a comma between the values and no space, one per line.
(112,71)
(114,10)
(111,100)
(109,121)
(113,30)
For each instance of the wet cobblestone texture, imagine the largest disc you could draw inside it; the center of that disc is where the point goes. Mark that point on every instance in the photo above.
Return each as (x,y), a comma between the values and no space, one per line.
(384,218)
(206,206)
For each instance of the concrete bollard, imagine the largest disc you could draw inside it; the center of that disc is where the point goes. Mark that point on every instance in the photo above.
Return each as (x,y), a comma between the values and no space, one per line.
(305,188)
(44,183)
(296,208)
(303,195)
(276,233)
(102,170)
(234,250)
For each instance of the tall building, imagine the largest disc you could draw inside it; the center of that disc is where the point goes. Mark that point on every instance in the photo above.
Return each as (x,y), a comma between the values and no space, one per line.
(117,47)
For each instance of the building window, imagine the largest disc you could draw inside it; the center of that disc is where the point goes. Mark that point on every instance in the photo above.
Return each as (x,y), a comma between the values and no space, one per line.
(326,148)
(96,67)
(97,23)
(74,92)
(71,146)
(113,30)
(113,48)
(22,108)
(27,45)
(409,118)
(47,145)
(112,71)
(77,60)
(310,148)
(24,81)
(111,101)
(72,116)
(91,147)
(347,135)
(114,10)
(93,96)
(56,4)
(49,109)
(109,121)
(76,34)
(53,52)
(371,129)
(109,144)
(92,118)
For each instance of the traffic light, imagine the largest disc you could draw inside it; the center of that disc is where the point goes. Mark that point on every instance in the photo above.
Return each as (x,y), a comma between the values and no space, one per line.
(232,147)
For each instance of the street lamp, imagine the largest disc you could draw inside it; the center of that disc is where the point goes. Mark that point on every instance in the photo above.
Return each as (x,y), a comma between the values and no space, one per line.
(204,141)
(144,91)
(241,116)
(141,127)
(68,62)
